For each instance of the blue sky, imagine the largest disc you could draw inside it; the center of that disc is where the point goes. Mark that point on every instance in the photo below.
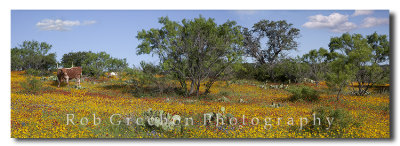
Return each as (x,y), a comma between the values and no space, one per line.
(115,31)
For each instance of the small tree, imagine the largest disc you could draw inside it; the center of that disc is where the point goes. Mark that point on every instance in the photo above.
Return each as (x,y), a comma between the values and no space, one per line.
(317,60)
(341,74)
(366,56)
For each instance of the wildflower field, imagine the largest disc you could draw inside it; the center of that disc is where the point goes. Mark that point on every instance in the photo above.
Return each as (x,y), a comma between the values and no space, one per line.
(100,109)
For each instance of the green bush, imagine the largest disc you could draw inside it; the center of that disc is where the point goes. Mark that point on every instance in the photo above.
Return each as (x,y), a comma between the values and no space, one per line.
(225,93)
(31,85)
(303,93)
(342,119)
(33,72)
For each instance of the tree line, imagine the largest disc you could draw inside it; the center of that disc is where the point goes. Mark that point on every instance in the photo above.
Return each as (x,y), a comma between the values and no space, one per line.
(34,57)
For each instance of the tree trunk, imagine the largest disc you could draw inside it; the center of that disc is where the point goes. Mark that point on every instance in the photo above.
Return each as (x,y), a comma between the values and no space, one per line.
(191,88)
(198,88)
(338,94)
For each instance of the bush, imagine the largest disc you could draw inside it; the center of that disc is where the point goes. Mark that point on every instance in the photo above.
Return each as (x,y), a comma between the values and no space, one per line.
(31,85)
(342,119)
(303,93)
(35,72)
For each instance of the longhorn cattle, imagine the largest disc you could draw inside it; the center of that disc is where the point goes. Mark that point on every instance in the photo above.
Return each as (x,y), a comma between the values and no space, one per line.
(69,73)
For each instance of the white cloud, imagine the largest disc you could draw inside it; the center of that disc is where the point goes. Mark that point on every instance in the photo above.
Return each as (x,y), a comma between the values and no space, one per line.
(362,12)
(373,21)
(60,25)
(335,22)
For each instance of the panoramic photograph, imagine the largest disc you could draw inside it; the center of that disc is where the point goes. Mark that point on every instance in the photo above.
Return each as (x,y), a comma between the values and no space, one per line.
(200,74)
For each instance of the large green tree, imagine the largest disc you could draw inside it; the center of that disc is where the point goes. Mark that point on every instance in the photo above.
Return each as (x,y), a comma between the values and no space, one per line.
(197,50)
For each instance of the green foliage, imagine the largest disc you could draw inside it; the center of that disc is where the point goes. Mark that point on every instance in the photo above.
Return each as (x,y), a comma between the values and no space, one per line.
(31,85)
(247,71)
(149,68)
(303,93)
(149,81)
(198,50)
(33,72)
(33,55)
(317,60)
(359,60)
(94,64)
(280,37)
(341,74)
(75,58)
(287,70)
(225,93)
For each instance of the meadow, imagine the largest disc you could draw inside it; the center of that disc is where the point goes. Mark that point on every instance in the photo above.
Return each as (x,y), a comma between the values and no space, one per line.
(44,114)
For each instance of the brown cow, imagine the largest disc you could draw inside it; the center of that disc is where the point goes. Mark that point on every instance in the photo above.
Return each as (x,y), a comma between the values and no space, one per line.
(69,73)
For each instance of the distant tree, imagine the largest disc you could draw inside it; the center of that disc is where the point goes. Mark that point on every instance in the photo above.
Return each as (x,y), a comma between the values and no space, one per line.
(75,58)
(33,55)
(318,61)
(291,70)
(280,37)
(198,50)
(94,64)
(117,65)
(17,59)
(365,55)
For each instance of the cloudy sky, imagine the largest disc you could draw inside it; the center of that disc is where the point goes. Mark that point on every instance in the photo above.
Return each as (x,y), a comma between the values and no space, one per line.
(114,31)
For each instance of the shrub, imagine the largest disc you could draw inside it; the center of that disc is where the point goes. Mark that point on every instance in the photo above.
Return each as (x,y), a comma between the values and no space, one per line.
(31,85)
(342,119)
(35,72)
(303,93)
(225,93)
